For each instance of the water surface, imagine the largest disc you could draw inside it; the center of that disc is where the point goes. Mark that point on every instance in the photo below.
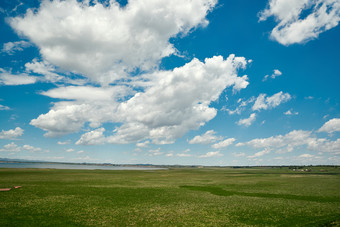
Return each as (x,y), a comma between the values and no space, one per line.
(72,166)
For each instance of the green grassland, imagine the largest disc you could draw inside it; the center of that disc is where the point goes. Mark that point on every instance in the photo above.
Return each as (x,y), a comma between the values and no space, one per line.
(173,197)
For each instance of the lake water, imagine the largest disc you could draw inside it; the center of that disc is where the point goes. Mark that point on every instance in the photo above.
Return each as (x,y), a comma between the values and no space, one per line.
(72,166)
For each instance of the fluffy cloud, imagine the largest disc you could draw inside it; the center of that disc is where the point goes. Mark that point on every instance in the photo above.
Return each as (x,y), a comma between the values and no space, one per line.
(247,121)
(263,102)
(2,107)
(171,103)
(12,47)
(7,78)
(92,138)
(241,106)
(49,73)
(306,156)
(144,144)
(64,142)
(12,147)
(12,133)
(293,26)
(275,74)
(331,126)
(290,112)
(106,42)
(211,154)
(206,138)
(259,154)
(155,152)
(295,139)
(224,143)
(31,148)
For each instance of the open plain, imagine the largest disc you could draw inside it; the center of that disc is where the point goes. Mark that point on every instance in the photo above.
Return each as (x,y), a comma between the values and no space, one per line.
(256,196)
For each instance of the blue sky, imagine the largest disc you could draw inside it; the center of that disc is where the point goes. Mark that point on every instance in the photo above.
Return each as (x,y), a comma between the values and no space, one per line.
(197,83)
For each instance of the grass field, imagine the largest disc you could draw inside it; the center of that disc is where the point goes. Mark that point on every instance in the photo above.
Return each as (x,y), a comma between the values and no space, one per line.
(174,197)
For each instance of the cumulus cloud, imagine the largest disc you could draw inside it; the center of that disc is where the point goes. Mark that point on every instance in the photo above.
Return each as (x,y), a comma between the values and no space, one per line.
(11,134)
(293,26)
(43,68)
(155,152)
(295,139)
(92,138)
(275,74)
(2,107)
(64,142)
(263,102)
(331,126)
(259,154)
(11,47)
(170,104)
(224,143)
(7,78)
(211,154)
(106,42)
(242,104)
(306,156)
(31,148)
(143,144)
(49,73)
(12,147)
(247,121)
(291,112)
(241,154)
(206,138)
(184,155)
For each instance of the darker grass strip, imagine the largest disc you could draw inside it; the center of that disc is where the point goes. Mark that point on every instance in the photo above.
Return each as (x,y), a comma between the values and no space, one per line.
(221,192)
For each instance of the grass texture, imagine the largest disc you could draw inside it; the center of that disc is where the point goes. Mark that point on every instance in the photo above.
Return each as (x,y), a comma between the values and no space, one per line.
(172,197)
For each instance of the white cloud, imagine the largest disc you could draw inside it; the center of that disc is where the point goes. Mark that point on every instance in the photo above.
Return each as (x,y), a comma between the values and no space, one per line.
(11,134)
(306,156)
(2,107)
(291,112)
(331,126)
(171,104)
(69,150)
(12,147)
(184,155)
(224,143)
(263,102)
(295,139)
(211,154)
(92,138)
(31,148)
(12,47)
(241,106)
(7,78)
(103,43)
(80,152)
(206,138)
(43,68)
(293,26)
(50,73)
(247,121)
(275,74)
(64,142)
(259,154)
(155,152)
(241,154)
(143,144)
